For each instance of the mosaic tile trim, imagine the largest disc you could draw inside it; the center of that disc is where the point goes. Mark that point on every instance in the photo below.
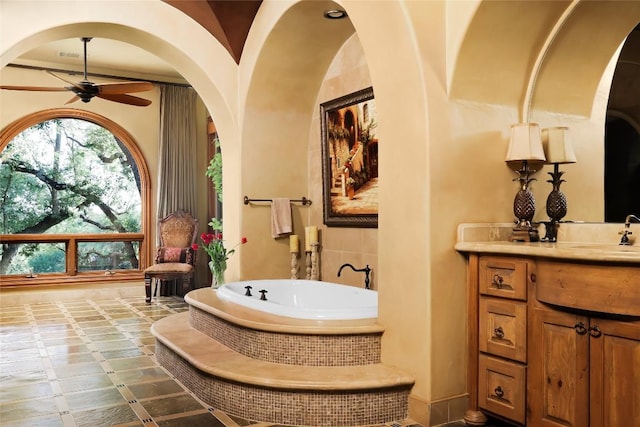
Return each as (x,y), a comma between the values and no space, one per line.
(290,349)
(317,409)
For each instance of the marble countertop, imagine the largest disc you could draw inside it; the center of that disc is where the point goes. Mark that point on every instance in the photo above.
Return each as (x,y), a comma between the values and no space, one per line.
(576,241)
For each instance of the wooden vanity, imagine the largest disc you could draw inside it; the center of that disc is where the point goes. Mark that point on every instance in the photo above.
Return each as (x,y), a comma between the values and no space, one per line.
(554,334)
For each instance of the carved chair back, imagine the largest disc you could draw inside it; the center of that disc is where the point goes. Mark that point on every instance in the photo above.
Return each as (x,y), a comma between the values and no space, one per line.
(178,230)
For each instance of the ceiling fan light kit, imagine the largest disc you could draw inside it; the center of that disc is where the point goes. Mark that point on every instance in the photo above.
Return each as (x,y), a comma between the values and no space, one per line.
(85,90)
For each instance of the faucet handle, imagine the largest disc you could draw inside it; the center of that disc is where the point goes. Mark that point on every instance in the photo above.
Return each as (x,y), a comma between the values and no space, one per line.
(625,237)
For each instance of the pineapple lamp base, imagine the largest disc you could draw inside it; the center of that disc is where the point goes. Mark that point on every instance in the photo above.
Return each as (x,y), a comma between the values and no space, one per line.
(556,205)
(524,208)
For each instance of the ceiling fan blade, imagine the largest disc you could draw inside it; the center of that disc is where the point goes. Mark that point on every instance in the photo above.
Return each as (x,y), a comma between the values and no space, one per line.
(123,87)
(74,84)
(74,99)
(125,99)
(35,88)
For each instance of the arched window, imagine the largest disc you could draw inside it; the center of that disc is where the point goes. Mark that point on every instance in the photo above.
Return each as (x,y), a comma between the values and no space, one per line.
(73,200)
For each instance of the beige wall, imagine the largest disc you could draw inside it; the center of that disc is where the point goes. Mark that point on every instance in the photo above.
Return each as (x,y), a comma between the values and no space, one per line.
(449,80)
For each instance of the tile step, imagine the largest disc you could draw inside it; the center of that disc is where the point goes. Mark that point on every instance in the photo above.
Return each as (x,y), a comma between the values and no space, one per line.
(213,358)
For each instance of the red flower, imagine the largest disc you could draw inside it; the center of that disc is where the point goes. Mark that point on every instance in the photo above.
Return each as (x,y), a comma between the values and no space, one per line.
(194,246)
(214,247)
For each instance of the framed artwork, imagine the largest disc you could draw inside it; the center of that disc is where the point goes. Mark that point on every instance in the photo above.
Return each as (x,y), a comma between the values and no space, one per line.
(350,160)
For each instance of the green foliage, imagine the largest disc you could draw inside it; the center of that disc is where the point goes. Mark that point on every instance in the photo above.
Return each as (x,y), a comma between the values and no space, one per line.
(214,170)
(366,133)
(215,224)
(67,176)
(50,260)
(338,132)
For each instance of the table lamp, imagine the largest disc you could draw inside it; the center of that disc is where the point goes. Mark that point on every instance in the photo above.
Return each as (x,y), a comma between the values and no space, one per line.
(525,151)
(558,150)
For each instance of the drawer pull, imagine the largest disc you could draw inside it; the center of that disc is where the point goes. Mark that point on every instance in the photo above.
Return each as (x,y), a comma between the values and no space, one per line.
(580,328)
(498,332)
(498,391)
(497,280)
(595,331)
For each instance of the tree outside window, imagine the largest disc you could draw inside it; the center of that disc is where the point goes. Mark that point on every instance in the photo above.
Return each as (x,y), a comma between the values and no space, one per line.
(68,176)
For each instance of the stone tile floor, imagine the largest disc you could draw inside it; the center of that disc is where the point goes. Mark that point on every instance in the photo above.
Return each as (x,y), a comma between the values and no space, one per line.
(90,363)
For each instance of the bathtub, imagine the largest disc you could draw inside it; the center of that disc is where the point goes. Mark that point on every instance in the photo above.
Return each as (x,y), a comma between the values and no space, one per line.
(304,299)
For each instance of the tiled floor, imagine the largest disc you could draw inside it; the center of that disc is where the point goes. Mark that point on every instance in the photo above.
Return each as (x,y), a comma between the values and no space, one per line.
(90,363)
(490,423)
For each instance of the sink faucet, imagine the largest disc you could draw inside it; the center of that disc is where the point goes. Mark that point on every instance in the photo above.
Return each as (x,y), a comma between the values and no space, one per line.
(627,221)
(366,271)
(626,232)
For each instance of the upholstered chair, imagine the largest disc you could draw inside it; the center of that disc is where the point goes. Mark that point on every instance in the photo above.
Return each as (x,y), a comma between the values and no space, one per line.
(176,256)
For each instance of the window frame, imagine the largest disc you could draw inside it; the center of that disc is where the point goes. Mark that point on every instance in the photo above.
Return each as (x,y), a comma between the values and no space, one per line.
(72,275)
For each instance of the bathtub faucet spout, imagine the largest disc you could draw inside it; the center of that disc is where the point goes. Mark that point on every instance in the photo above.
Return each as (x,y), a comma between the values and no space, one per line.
(366,271)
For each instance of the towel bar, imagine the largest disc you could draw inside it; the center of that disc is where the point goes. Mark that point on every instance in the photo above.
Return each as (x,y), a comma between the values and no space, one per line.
(303,200)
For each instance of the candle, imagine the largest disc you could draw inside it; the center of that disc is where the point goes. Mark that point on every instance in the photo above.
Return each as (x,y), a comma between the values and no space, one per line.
(293,244)
(311,236)
(307,242)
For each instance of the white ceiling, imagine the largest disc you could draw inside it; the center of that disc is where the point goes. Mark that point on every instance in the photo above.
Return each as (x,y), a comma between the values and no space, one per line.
(104,57)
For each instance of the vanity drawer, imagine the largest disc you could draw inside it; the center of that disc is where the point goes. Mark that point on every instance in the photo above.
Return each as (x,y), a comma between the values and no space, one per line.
(501,388)
(504,277)
(503,328)
(597,287)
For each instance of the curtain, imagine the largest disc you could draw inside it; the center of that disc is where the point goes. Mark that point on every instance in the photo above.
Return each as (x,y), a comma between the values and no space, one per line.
(178,155)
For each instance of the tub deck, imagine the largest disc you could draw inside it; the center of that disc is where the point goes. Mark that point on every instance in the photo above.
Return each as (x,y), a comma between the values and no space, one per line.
(206,300)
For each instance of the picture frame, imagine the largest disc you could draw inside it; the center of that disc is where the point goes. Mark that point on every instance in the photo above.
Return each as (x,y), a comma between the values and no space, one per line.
(350,160)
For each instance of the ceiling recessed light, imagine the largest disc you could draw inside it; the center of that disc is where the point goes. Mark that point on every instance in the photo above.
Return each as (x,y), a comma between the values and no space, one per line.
(335,14)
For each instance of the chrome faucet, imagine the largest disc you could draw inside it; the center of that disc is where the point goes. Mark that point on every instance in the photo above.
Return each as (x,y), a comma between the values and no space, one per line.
(366,271)
(626,232)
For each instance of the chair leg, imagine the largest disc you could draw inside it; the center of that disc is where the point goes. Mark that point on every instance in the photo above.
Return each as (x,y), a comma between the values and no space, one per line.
(192,282)
(186,285)
(155,290)
(147,287)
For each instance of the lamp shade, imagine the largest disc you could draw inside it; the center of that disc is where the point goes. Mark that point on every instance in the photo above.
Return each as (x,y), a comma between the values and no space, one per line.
(525,143)
(557,145)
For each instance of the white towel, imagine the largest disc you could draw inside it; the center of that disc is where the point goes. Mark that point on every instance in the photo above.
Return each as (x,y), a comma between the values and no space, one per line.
(280,218)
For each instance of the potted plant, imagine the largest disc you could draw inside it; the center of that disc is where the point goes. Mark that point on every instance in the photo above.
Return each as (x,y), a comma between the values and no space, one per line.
(351,191)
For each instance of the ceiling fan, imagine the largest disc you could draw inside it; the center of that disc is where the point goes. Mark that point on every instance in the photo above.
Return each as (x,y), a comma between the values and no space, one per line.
(86,90)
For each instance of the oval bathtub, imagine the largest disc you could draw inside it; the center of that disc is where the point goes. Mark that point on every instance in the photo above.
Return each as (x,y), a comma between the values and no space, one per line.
(304,299)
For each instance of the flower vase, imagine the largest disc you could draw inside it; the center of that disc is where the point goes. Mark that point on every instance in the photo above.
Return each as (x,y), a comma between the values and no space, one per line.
(217,277)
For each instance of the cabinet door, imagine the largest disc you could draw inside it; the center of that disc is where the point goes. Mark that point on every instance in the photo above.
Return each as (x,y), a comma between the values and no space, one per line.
(557,381)
(615,373)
